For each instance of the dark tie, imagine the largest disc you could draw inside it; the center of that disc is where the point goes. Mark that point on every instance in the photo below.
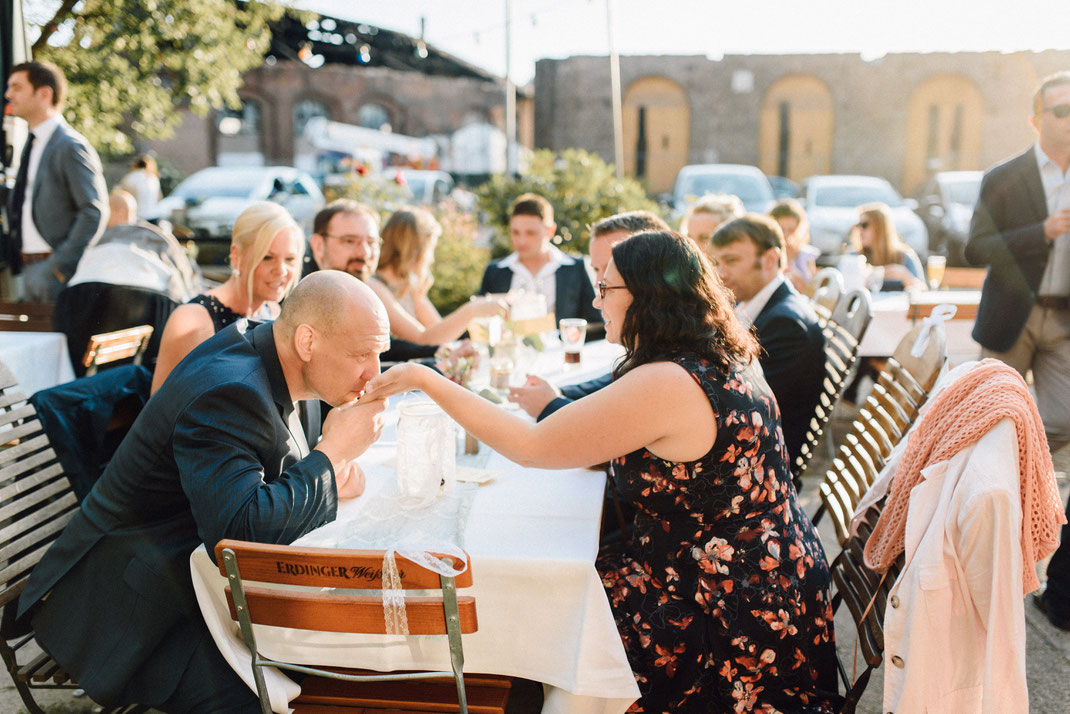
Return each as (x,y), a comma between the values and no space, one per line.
(18,197)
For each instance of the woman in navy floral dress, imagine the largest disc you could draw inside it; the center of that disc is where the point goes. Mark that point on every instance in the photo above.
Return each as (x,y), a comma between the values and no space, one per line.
(721,593)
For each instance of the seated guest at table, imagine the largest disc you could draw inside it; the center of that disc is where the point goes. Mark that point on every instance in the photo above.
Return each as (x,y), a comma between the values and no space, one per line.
(721,593)
(537,266)
(538,397)
(346,237)
(801,256)
(265,256)
(404,278)
(215,454)
(876,238)
(703,217)
(749,254)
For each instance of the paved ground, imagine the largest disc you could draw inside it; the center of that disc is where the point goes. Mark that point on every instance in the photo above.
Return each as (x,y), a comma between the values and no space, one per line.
(1047,656)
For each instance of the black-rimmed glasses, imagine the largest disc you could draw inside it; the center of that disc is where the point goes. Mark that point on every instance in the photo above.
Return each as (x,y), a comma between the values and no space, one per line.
(349,241)
(603,288)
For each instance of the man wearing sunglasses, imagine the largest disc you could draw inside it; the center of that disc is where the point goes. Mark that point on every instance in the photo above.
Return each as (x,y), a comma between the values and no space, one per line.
(1021,231)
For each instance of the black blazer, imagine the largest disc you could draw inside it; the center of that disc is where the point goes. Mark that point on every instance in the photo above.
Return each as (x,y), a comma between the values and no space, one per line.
(210,457)
(1007,235)
(574,292)
(573,392)
(793,360)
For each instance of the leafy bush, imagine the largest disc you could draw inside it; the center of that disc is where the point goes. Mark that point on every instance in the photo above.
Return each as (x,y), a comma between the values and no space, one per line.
(459,261)
(581,187)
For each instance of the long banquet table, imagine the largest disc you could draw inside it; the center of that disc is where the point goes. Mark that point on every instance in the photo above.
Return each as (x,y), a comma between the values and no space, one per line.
(532,536)
(895,313)
(39,360)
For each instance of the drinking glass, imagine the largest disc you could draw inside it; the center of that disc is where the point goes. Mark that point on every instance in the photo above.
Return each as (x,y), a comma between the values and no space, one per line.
(573,333)
(875,280)
(426,463)
(934,269)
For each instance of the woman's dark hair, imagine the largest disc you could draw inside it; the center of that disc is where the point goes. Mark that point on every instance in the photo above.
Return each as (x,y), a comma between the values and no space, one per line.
(679,306)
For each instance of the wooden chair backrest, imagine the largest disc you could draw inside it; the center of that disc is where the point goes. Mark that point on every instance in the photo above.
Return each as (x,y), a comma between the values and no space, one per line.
(26,316)
(843,334)
(824,290)
(36,500)
(112,346)
(336,568)
(883,420)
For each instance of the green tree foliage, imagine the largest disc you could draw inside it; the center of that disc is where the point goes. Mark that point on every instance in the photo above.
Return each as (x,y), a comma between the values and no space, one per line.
(131,63)
(580,186)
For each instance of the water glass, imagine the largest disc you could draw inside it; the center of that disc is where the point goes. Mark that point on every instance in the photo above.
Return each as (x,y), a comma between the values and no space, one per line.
(573,333)
(934,270)
(427,456)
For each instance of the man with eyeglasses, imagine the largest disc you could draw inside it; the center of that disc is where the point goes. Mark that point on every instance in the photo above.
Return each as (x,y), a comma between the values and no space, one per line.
(1021,231)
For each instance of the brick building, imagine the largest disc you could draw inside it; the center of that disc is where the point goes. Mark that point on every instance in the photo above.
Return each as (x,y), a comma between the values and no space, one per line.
(901,116)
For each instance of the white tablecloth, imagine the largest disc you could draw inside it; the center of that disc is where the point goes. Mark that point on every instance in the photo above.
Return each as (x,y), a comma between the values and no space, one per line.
(39,359)
(543,614)
(891,322)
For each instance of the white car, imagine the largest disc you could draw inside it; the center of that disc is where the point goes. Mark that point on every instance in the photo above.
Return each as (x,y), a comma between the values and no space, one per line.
(208,201)
(747,182)
(832,203)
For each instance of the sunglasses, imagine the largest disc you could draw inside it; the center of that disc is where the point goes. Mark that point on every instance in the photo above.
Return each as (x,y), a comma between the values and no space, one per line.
(1060,111)
(603,288)
(863,224)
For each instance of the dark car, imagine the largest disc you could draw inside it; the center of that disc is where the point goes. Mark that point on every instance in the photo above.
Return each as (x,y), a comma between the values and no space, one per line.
(945,204)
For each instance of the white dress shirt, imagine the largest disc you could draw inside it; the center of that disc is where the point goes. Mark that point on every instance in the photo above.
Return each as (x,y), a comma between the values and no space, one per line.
(543,282)
(32,241)
(1056,279)
(748,310)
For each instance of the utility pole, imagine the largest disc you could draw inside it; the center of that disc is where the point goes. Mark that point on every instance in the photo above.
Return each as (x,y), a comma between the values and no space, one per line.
(510,98)
(614,84)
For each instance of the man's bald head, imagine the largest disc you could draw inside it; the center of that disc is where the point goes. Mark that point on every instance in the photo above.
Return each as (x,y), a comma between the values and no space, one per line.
(330,333)
(122,207)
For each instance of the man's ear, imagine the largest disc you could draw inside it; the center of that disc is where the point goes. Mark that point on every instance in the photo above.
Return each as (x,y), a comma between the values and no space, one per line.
(315,242)
(304,337)
(1034,121)
(551,230)
(771,259)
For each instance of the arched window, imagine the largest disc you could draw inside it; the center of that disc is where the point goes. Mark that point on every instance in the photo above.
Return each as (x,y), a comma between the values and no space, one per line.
(657,131)
(240,122)
(795,128)
(374,116)
(239,142)
(305,110)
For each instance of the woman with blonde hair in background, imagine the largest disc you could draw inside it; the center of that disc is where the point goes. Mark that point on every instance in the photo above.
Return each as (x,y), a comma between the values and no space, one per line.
(703,217)
(404,278)
(802,257)
(875,237)
(266,246)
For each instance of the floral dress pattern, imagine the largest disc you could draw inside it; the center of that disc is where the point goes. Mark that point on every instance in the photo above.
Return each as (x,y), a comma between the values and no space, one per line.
(721,593)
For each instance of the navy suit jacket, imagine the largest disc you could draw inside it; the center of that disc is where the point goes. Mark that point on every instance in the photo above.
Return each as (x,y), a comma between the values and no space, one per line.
(793,360)
(1007,235)
(211,456)
(574,291)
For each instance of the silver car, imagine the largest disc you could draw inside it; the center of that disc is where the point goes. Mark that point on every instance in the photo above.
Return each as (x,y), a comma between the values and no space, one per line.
(832,203)
(747,182)
(208,201)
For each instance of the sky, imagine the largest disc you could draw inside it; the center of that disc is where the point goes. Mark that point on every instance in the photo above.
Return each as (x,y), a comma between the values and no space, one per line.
(474,30)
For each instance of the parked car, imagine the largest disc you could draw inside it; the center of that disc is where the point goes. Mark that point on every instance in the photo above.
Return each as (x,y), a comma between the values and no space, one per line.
(428,187)
(208,201)
(784,187)
(945,204)
(831,204)
(746,182)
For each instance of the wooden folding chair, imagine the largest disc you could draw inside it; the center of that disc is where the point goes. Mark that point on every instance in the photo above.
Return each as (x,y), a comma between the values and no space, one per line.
(26,316)
(36,502)
(291,567)
(964,278)
(866,595)
(113,346)
(843,333)
(825,289)
(890,409)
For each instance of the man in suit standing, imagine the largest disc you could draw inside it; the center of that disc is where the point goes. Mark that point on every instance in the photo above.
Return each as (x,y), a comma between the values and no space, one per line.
(217,453)
(58,205)
(537,266)
(538,397)
(750,257)
(1021,231)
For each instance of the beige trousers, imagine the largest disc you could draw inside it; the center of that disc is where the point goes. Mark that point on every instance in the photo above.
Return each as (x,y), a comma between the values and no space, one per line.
(1044,348)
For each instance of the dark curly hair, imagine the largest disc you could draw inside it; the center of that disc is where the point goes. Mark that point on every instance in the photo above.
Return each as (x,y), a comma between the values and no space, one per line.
(679,305)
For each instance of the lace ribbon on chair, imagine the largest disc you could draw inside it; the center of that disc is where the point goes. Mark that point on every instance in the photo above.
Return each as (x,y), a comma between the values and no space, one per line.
(937,319)
(397,622)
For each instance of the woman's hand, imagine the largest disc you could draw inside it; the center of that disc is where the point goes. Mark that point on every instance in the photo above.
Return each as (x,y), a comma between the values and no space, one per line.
(900,273)
(488,306)
(400,378)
